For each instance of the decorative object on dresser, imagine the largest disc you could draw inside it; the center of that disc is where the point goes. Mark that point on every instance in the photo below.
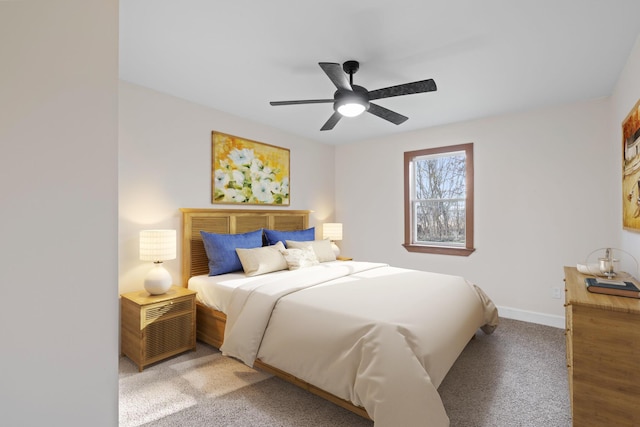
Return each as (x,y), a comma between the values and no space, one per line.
(333,232)
(248,172)
(603,352)
(157,246)
(612,287)
(154,327)
(610,263)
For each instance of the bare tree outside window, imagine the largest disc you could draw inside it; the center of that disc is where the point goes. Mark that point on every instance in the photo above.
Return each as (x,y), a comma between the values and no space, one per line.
(438,193)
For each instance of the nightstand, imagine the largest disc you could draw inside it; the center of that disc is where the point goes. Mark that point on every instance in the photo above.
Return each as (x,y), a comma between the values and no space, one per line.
(154,327)
(344,258)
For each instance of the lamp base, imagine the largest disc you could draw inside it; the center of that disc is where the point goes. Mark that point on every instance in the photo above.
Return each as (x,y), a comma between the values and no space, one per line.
(158,280)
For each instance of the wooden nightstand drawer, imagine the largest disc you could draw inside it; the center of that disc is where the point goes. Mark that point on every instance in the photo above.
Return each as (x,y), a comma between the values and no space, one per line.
(154,327)
(163,310)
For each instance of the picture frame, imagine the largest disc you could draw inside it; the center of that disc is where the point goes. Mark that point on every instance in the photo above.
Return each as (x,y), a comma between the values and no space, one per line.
(631,169)
(248,172)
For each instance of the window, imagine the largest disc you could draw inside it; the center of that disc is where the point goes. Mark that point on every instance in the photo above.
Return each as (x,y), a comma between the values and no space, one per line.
(438,193)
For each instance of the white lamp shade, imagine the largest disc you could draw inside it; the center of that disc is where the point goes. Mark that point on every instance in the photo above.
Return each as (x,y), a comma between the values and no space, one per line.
(332,231)
(157,245)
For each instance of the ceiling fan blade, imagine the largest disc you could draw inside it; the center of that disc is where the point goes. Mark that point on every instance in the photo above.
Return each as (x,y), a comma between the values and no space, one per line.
(336,74)
(405,89)
(307,101)
(387,114)
(333,120)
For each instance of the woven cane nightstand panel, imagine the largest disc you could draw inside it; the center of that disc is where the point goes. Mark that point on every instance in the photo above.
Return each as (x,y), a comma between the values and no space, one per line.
(155,312)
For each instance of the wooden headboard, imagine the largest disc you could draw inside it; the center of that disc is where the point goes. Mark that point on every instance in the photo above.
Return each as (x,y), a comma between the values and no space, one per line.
(228,221)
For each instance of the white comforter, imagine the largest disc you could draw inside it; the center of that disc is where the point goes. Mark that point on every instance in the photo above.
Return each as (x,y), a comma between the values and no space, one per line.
(379,336)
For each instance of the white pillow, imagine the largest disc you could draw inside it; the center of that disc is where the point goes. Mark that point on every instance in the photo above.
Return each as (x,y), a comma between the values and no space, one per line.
(322,248)
(300,258)
(262,260)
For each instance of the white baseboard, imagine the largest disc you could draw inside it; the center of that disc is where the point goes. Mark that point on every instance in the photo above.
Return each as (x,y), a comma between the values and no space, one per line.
(532,317)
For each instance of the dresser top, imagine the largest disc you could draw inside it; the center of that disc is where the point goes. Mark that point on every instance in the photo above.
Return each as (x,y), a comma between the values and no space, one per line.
(577,294)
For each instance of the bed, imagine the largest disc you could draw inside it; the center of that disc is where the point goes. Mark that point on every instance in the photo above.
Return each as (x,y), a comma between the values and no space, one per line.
(372,338)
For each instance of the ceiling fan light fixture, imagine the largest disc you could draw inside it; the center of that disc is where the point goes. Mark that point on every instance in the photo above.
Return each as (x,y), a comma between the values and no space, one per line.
(351,104)
(351,109)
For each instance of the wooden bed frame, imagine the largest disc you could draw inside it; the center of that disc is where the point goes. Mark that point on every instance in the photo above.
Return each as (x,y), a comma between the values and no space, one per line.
(210,323)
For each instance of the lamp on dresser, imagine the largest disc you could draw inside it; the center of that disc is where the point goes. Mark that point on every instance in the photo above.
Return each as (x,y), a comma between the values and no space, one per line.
(333,232)
(157,246)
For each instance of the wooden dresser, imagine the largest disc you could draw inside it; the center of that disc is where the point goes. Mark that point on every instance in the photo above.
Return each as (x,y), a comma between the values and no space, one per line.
(603,355)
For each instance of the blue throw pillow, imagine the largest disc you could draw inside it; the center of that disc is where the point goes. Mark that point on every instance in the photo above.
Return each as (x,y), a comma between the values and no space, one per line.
(275,236)
(221,249)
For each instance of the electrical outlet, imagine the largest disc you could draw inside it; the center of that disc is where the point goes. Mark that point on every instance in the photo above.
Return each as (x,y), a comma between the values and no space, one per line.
(556,293)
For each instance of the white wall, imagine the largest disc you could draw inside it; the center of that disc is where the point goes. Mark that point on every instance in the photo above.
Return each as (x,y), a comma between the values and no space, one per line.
(58,187)
(543,181)
(543,197)
(547,188)
(625,96)
(165,165)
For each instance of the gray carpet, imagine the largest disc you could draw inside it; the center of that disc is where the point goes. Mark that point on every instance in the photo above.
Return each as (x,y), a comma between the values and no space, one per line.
(514,377)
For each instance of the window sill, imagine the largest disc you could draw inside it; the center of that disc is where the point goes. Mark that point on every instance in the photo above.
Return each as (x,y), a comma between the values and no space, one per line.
(442,250)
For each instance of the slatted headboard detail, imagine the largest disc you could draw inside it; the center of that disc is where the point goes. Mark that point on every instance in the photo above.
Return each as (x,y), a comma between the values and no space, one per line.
(228,221)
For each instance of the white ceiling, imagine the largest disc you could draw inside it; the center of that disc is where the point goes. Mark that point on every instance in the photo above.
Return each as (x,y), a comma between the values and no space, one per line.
(487,57)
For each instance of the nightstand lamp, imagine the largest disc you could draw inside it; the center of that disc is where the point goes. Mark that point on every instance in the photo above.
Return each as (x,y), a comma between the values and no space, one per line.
(157,246)
(333,232)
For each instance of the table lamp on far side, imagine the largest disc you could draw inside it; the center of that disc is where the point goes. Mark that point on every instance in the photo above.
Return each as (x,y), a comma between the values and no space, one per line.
(333,232)
(157,246)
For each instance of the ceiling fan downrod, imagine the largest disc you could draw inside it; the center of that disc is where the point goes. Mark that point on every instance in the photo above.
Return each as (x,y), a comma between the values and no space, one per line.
(351,67)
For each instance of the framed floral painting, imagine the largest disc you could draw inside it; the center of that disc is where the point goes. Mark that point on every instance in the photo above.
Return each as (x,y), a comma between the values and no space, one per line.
(248,172)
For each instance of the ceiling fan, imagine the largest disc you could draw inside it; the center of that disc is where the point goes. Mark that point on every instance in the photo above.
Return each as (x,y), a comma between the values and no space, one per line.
(352,100)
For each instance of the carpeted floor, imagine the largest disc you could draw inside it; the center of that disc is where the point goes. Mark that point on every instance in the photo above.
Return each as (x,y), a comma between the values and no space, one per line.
(514,377)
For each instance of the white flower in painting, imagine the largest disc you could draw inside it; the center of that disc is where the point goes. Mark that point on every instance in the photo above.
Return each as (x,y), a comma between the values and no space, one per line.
(242,157)
(262,191)
(256,170)
(256,166)
(284,186)
(221,179)
(232,195)
(268,173)
(238,177)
